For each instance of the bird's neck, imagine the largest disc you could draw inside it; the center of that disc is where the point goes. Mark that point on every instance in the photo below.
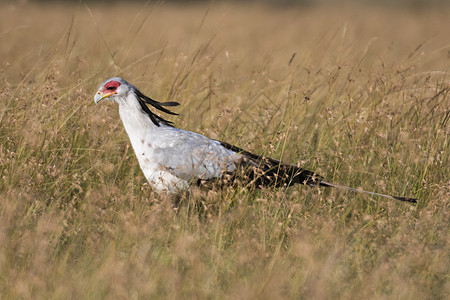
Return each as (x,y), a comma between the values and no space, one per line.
(136,122)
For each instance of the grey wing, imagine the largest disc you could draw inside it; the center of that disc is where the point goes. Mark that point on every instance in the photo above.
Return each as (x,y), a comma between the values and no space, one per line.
(188,155)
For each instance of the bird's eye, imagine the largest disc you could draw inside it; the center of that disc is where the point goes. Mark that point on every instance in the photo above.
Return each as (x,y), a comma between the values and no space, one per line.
(111,88)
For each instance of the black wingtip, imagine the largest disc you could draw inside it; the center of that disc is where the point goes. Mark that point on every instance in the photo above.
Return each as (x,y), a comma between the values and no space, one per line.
(406,199)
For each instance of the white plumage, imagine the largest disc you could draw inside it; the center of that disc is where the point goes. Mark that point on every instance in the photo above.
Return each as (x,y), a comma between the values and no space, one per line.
(173,158)
(170,158)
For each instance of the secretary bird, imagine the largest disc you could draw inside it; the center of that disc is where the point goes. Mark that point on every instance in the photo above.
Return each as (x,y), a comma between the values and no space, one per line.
(172,159)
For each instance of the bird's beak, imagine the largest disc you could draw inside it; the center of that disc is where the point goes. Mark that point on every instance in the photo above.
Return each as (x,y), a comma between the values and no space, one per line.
(99,96)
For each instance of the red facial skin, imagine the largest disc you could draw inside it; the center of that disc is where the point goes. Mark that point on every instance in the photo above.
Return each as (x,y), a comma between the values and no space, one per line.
(110,87)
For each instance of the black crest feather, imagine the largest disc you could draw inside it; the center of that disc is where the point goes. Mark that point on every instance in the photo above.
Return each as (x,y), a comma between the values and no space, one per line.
(157,120)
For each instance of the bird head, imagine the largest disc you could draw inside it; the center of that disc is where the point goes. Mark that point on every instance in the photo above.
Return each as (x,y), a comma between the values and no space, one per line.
(124,93)
(113,89)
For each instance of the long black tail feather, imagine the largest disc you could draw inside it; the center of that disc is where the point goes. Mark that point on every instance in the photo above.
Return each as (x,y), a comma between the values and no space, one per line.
(262,171)
(343,187)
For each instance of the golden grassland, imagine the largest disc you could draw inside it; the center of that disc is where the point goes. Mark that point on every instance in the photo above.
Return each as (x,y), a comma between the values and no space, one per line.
(360,94)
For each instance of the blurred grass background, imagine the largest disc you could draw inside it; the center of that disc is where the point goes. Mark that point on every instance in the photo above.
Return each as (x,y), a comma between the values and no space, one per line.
(359,93)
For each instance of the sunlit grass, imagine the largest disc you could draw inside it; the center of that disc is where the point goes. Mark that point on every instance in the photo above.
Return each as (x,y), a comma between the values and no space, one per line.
(360,96)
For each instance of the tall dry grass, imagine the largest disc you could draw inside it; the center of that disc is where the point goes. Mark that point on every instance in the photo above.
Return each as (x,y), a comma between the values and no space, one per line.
(359,94)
